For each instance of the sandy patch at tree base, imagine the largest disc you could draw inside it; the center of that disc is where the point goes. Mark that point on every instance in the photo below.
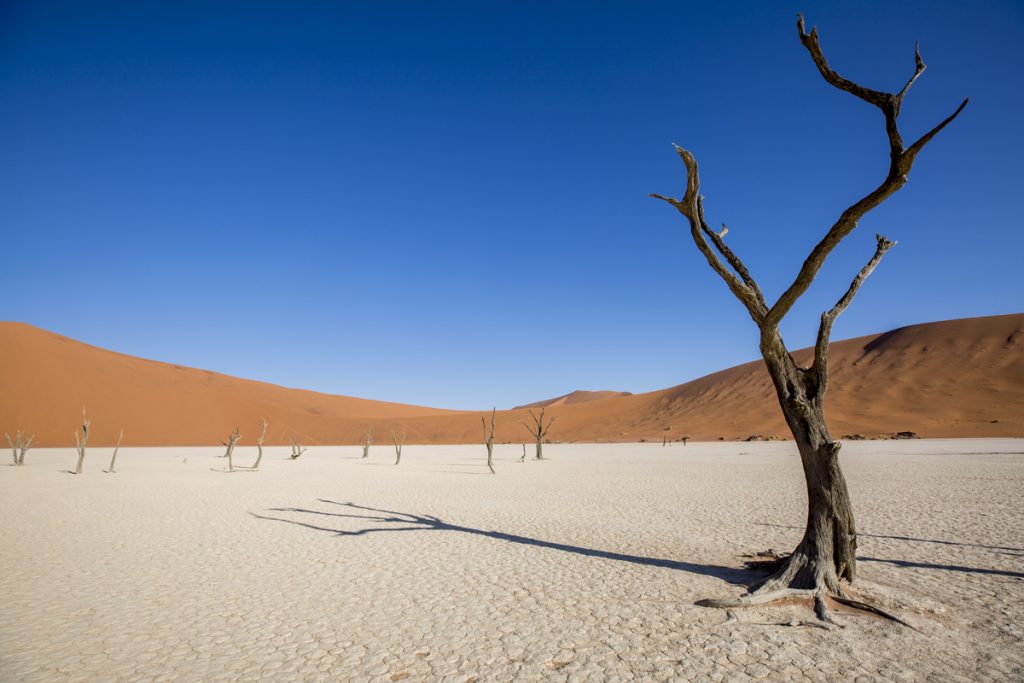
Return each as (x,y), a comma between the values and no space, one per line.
(581,567)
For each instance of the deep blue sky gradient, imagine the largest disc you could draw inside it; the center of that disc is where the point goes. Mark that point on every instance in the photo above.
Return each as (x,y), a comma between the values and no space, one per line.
(446,203)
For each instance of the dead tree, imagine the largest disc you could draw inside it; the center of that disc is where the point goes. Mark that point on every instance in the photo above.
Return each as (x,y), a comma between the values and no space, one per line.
(259,443)
(826,554)
(399,440)
(489,440)
(684,439)
(522,458)
(20,444)
(232,441)
(113,458)
(539,430)
(367,440)
(296,449)
(81,441)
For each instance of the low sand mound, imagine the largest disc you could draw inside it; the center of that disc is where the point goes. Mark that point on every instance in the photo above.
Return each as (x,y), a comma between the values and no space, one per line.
(959,378)
(578,396)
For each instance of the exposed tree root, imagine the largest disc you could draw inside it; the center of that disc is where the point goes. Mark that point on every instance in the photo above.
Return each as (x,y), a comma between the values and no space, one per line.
(794,576)
(867,607)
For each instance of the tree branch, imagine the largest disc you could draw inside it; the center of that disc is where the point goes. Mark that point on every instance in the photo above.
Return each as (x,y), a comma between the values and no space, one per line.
(691,206)
(900,162)
(829,317)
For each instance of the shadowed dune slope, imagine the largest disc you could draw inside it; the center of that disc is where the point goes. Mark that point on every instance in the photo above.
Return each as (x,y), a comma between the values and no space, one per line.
(958,378)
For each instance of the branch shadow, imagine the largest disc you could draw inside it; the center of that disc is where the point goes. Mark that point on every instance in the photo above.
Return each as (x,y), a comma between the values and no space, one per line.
(411,522)
(909,538)
(947,567)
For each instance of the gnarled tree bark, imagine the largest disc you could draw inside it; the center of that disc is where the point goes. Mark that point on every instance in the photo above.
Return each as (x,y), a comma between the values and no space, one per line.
(826,555)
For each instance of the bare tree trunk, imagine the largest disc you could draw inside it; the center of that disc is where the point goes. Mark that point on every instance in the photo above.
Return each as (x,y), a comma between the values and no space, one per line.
(113,458)
(367,440)
(538,430)
(21,443)
(489,440)
(296,449)
(232,441)
(80,442)
(259,444)
(522,458)
(827,553)
(399,442)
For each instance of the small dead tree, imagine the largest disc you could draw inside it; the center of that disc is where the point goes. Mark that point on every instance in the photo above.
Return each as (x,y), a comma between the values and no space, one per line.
(367,440)
(81,441)
(20,444)
(296,449)
(232,441)
(489,440)
(538,430)
(259,443)
(827,553)
(113,458)
(684,439)
(522,458)
(399,440)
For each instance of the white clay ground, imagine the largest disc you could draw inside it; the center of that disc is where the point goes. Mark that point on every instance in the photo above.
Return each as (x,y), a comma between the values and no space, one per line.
(582,567)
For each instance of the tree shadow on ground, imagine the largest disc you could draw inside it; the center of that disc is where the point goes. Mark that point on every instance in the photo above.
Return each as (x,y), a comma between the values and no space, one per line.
(946,567)
(908,538)
(404,521)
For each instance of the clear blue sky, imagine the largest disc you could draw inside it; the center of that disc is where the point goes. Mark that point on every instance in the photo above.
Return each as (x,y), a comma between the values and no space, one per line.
(446,203)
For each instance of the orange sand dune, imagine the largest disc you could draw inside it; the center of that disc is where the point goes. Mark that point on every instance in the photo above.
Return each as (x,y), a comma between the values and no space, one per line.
(959,378)
(578,396)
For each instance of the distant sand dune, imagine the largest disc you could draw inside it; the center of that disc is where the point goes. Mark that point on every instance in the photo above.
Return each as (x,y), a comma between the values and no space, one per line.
(959,378)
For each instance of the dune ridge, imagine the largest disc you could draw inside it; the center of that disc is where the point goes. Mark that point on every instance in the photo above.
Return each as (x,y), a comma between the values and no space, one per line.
(956,378)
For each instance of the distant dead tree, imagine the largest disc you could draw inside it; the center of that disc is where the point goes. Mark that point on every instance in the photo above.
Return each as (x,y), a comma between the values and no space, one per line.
(489,440)
(827,553)
(80,442)
(20,444)
(232,441)
(296,449)
(399,440)
(522,458)
(367,440)
(684,439)
(259,443)
(539,430)
(113,458)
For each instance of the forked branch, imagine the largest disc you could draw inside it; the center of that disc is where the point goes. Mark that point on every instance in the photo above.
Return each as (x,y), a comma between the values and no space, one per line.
(829,317)
(900,162)
(691,206)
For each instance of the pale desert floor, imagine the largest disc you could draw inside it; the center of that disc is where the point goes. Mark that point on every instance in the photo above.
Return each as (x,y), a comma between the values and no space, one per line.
(582,567)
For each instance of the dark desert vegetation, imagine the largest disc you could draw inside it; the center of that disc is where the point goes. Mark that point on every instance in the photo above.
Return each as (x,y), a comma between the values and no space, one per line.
(827,554)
